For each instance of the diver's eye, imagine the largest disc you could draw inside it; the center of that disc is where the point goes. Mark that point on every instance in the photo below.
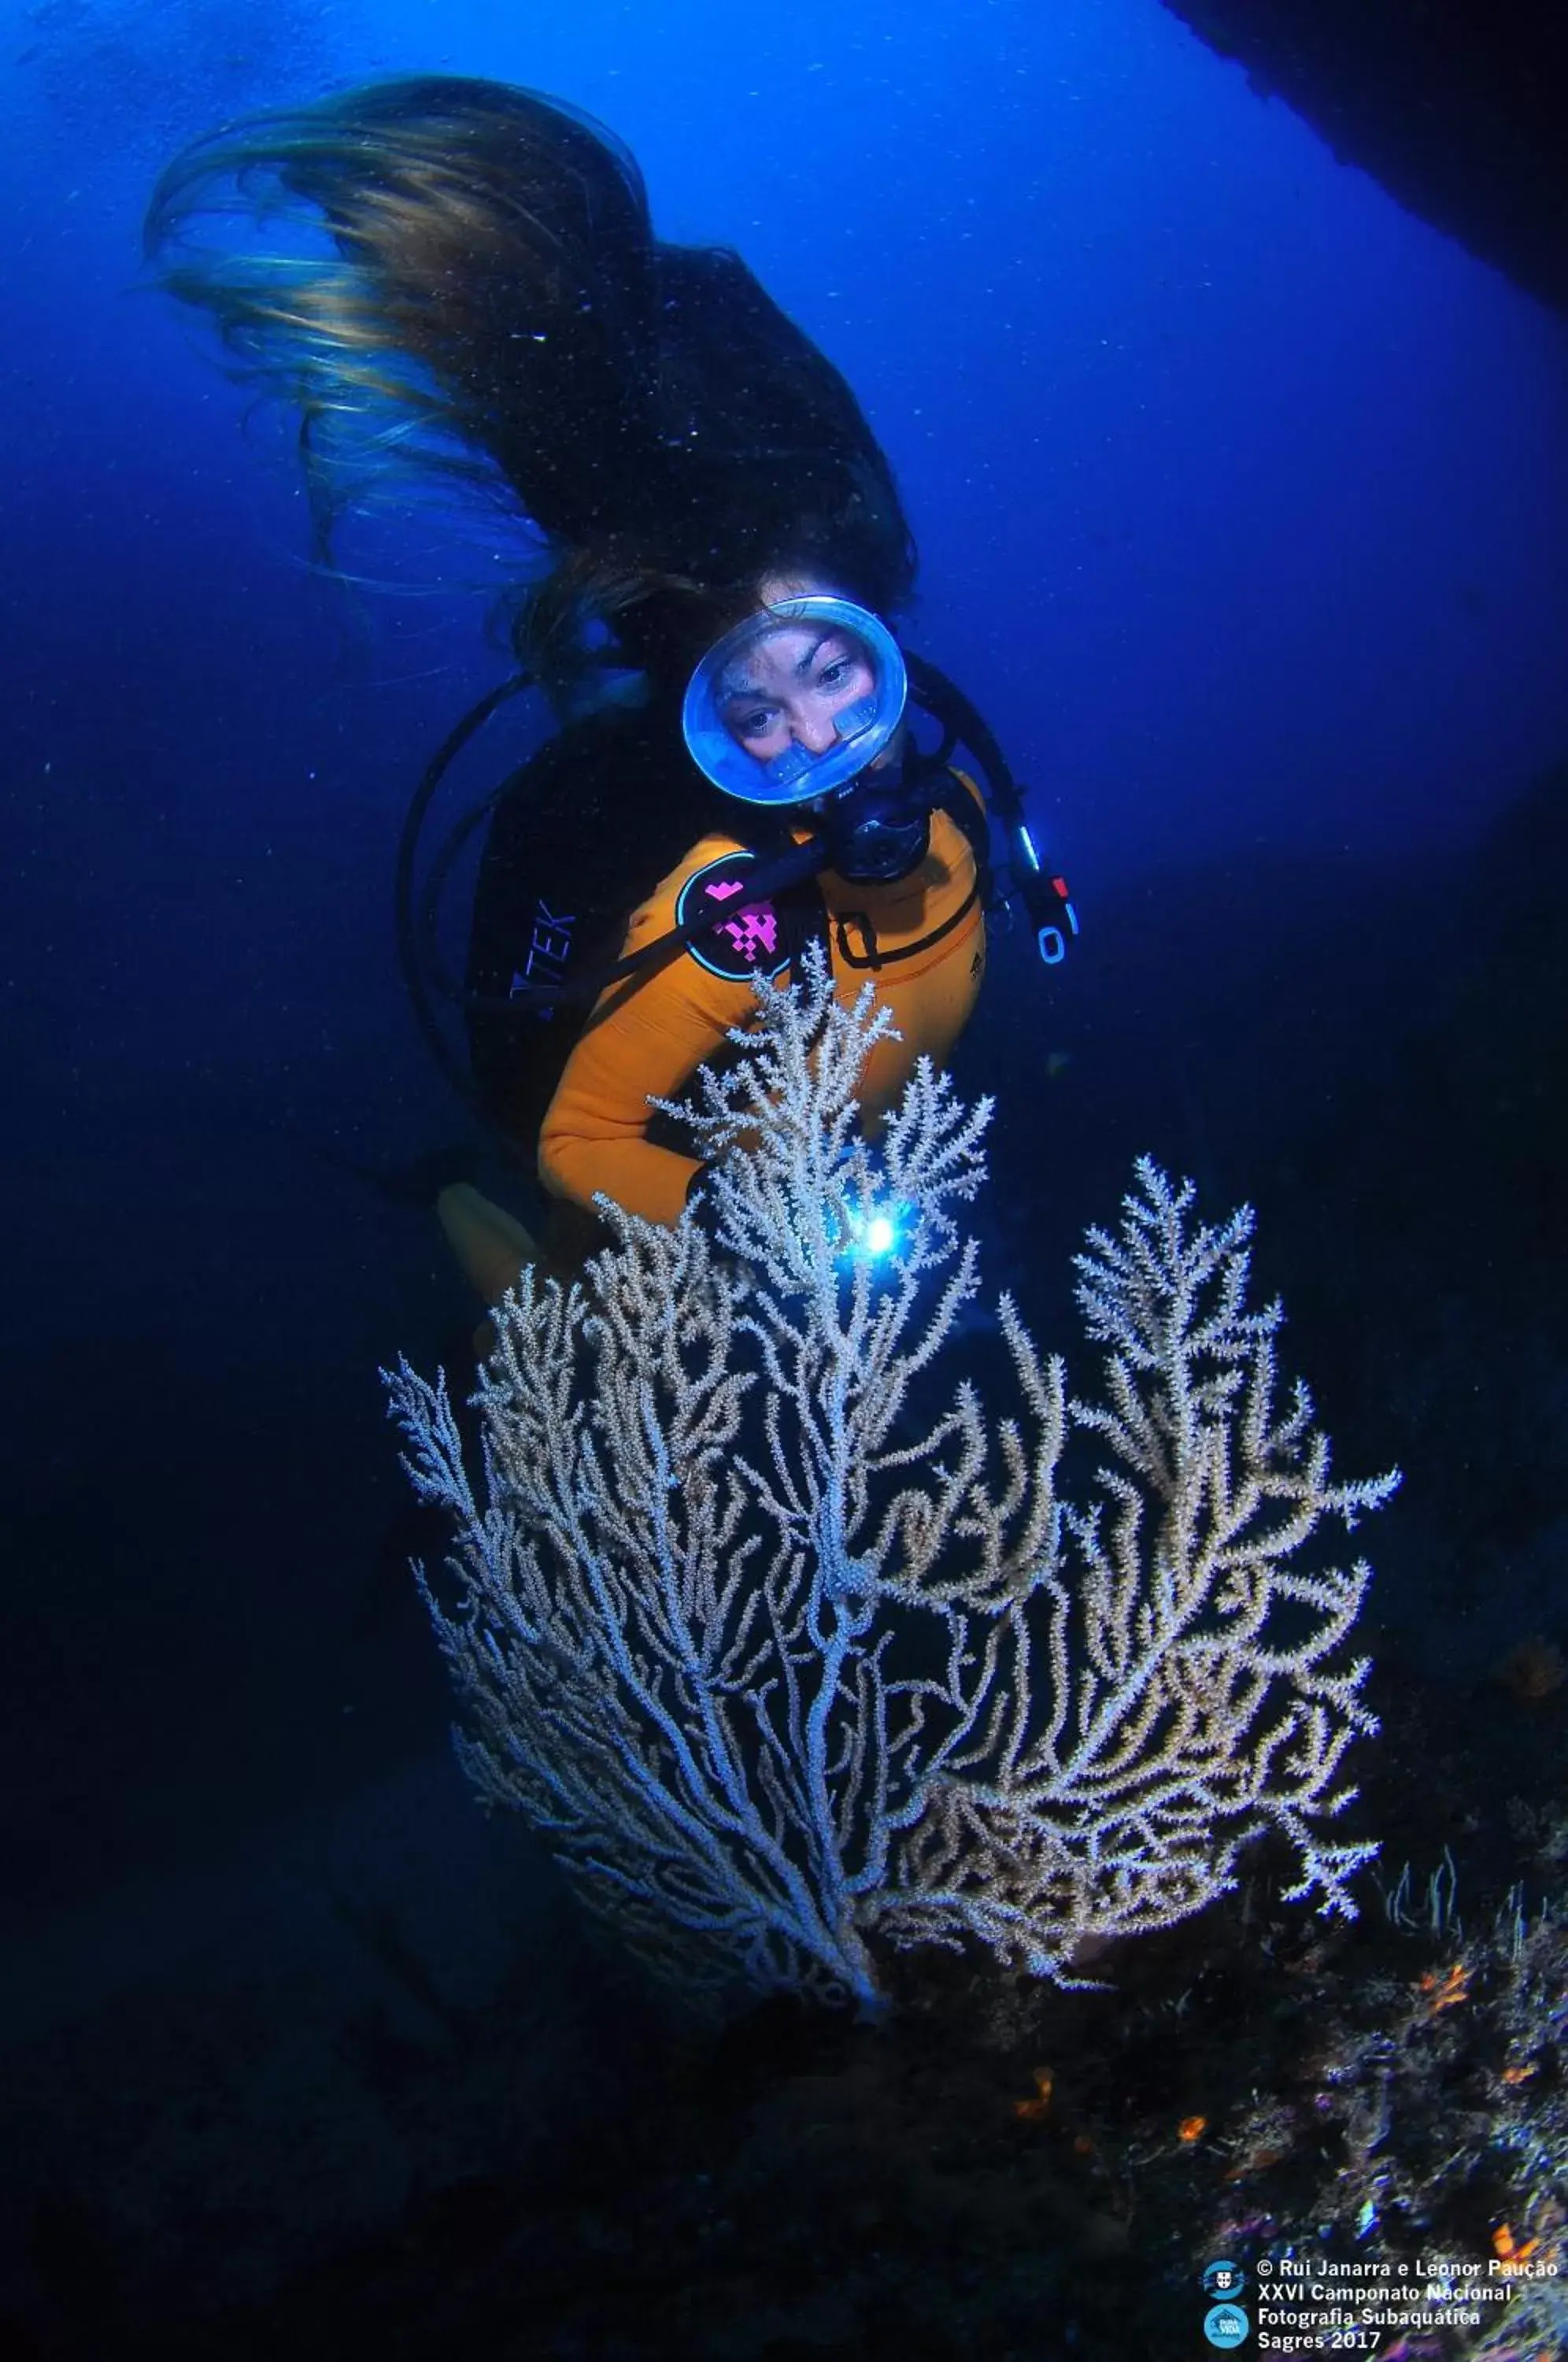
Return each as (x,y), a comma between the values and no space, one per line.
(754,725)
(834,675)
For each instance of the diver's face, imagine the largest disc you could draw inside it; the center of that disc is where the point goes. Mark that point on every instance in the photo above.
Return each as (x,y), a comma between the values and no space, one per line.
(789,688)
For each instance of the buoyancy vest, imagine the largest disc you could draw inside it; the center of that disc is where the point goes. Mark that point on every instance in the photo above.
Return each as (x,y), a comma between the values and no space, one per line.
(574,836)
(922,935)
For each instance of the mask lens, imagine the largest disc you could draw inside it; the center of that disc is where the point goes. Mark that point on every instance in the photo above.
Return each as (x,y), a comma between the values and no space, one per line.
(761,717)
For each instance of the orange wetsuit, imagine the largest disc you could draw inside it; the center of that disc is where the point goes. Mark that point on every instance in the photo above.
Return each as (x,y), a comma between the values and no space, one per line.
(647,1035)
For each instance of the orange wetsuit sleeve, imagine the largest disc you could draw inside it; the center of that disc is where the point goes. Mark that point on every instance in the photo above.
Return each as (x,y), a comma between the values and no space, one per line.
(645,1040)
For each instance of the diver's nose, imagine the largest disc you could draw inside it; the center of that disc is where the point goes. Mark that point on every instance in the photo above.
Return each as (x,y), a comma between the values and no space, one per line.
(815,732)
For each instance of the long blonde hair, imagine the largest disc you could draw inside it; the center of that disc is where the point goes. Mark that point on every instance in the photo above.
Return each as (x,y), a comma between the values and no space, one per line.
(461,277)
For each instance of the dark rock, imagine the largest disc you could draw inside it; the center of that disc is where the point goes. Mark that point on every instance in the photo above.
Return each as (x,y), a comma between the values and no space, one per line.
(1460,108)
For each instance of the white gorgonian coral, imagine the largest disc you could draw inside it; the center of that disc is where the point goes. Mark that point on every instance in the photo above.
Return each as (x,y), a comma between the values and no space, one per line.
(775,1666)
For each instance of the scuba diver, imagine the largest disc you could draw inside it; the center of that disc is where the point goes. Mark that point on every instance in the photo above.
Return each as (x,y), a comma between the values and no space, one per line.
(715,544)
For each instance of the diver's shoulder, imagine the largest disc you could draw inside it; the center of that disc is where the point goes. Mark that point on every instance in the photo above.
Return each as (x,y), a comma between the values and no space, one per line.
(704,852)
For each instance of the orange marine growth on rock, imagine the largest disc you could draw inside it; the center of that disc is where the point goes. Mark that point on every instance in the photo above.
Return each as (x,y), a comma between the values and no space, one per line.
(1443,1992)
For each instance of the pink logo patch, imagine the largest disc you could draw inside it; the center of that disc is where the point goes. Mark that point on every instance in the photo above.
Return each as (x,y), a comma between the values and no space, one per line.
(754,933)
(749,937)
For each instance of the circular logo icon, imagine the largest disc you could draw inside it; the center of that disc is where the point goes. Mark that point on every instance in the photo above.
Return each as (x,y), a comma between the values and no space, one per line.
(1226,2325)
(746,938)
(1223,2278)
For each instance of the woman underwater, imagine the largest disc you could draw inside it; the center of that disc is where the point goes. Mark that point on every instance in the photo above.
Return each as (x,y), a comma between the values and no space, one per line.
(723,538)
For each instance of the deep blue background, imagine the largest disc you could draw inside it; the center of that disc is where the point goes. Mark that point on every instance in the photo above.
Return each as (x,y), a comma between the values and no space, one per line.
(1243,505)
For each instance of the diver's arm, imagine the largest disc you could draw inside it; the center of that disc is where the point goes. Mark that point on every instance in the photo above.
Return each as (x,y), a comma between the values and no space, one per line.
(646,1040)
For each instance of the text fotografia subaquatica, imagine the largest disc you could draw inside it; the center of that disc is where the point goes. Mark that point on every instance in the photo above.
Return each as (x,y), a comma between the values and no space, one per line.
(1317,2303)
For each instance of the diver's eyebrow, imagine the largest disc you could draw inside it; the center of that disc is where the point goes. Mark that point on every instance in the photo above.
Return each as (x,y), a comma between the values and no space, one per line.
(730,690)
(809,659)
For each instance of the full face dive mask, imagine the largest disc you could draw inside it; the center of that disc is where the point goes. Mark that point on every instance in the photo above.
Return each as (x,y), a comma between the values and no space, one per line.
(796,701)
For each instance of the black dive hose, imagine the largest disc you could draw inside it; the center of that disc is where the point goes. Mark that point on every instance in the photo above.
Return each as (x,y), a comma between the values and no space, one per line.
(418,943)
(1044,894)
(408,943)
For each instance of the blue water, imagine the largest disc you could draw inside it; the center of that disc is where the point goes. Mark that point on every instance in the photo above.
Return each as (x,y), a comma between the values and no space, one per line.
(1243,501)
